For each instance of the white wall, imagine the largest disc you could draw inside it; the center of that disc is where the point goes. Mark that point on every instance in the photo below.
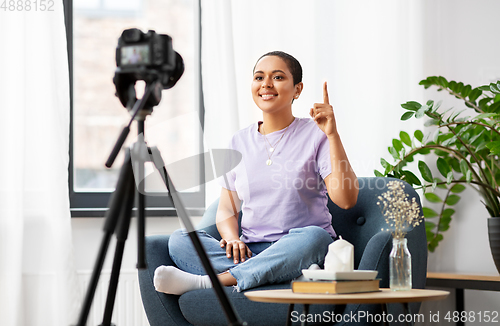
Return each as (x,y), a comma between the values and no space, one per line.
(460,45)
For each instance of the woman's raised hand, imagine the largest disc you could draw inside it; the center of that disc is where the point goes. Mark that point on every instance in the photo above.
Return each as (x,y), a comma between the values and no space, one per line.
(236,249)
(322,113)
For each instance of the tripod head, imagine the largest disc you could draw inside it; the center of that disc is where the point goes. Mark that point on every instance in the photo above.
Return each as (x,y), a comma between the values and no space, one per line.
(130,99)
(140,110)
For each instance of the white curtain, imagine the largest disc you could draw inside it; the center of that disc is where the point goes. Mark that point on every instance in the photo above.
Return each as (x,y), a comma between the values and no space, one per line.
(370,52)
(37,277)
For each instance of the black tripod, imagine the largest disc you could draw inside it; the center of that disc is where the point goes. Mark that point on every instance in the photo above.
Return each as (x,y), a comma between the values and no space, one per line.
(120,210)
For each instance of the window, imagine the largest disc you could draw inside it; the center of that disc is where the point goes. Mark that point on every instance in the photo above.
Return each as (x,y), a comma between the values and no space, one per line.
(175,125)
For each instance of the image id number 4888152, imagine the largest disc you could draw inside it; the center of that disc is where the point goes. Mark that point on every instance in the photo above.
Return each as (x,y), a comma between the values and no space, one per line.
(472,316)
(27,5)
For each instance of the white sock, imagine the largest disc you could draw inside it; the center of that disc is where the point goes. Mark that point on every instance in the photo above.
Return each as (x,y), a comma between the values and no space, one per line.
(171,280)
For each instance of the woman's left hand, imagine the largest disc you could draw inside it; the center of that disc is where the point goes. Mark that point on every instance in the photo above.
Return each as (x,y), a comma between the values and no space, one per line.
(322,113)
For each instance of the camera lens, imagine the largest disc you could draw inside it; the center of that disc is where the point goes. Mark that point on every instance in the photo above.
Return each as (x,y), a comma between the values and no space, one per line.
(176,73)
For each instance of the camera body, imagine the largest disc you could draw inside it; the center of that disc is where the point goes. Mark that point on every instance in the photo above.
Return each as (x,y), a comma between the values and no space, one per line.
(145,56)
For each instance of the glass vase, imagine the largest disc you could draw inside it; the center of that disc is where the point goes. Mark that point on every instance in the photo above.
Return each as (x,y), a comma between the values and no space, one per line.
(400,265)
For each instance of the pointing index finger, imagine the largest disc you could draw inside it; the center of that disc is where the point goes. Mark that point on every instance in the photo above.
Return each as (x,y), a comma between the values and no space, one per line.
(325,94)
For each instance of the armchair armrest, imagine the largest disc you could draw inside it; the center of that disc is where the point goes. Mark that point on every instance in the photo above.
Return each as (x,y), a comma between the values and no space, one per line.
(375,256)
(207,223)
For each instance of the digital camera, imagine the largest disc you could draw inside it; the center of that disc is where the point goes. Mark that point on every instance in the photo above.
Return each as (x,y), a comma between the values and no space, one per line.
(145,56)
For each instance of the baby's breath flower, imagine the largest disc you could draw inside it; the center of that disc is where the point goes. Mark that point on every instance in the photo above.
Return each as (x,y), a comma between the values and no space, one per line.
(400,213)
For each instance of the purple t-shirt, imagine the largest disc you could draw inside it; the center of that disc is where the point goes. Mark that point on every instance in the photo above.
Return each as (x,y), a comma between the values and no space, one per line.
(289,193)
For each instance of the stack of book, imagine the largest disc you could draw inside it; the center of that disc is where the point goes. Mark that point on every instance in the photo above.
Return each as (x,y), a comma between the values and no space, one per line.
(306,285)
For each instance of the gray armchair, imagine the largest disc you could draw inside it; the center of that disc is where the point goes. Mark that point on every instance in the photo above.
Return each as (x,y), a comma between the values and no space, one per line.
(360,225)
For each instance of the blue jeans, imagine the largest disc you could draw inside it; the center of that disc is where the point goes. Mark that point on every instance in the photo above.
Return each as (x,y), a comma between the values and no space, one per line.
(271,262)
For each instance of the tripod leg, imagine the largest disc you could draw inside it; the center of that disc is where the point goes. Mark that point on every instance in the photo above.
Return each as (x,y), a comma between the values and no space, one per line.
(121,237)
(109,227)
(140,155)
(141,223)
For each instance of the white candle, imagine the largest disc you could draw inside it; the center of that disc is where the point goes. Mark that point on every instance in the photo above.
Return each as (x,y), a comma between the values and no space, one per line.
(340,256)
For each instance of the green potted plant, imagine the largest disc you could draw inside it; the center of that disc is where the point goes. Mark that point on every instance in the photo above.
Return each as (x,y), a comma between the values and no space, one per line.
(466,145)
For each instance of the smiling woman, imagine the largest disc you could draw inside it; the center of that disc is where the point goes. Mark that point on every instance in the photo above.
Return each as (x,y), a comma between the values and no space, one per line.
(275,81)
(285,226)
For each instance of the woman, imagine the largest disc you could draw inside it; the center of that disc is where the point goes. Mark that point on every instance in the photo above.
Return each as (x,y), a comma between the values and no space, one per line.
(288,167)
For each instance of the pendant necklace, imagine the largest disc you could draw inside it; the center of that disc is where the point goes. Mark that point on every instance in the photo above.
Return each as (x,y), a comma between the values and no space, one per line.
(272,148)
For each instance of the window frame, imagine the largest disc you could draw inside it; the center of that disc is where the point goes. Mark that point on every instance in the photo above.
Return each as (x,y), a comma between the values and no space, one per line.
(94,204)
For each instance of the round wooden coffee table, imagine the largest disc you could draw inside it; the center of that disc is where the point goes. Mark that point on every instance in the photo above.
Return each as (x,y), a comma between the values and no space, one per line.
(384,296)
